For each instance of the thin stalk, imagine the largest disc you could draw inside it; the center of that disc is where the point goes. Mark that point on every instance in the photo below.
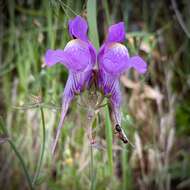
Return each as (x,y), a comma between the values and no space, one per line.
(124,168)
(22,164)
(93,35)
(127,175)
(93,124)
(109,141)
(91,168)
(39,165)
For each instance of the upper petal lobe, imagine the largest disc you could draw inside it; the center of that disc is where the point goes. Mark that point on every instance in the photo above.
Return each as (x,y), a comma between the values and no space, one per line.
(78,28)
(116,33)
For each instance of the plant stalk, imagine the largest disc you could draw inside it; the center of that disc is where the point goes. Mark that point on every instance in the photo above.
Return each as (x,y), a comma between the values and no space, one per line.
(39,165)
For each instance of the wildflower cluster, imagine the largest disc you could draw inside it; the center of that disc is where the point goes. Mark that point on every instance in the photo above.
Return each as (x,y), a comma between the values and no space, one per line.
(80,58)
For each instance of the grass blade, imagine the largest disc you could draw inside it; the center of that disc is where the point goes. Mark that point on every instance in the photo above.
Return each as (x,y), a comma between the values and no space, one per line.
(92,22)
(39,165)
(109,140)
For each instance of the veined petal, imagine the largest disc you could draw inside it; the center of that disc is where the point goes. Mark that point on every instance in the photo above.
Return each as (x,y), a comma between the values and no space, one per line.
(64,109)
(68,95)
(78,28)
(116,101)
(111,88)
(75,84)
(76,56)
(113,59)
(116,33)
(79,55)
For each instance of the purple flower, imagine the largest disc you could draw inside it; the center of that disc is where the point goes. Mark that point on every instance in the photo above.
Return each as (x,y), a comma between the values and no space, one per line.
(113,60)
(79,57)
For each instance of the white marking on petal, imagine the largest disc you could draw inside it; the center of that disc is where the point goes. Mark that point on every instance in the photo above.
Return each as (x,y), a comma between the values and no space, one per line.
(119,49)
(75,45)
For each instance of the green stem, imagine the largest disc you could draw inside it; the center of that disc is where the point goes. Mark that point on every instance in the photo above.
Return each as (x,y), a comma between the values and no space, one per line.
(92,22)
(127,175)
(93,35)
(91,168)
(109,141)
(39,165)
(22,164)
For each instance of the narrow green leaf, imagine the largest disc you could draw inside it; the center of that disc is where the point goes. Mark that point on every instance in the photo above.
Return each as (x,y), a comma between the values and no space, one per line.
(109,140)
(39,165)
(92,22)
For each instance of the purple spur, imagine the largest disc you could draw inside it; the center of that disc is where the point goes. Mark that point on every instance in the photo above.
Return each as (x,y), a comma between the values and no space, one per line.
(79,57)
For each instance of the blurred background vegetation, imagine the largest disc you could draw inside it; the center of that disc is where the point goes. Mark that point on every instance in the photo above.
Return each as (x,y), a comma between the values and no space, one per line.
(156,107)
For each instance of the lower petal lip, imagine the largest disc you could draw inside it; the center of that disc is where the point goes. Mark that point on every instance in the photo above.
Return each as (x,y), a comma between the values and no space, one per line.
(138,64)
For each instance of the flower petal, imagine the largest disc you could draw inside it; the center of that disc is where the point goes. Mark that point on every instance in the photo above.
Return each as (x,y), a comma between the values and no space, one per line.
(113,59)
(138,64)
(64,109)
(75,84)
(76,56)
(78,28)
(79,55)
(52,57)
(116,101)
(92,52)
(111,88)
(116,33)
